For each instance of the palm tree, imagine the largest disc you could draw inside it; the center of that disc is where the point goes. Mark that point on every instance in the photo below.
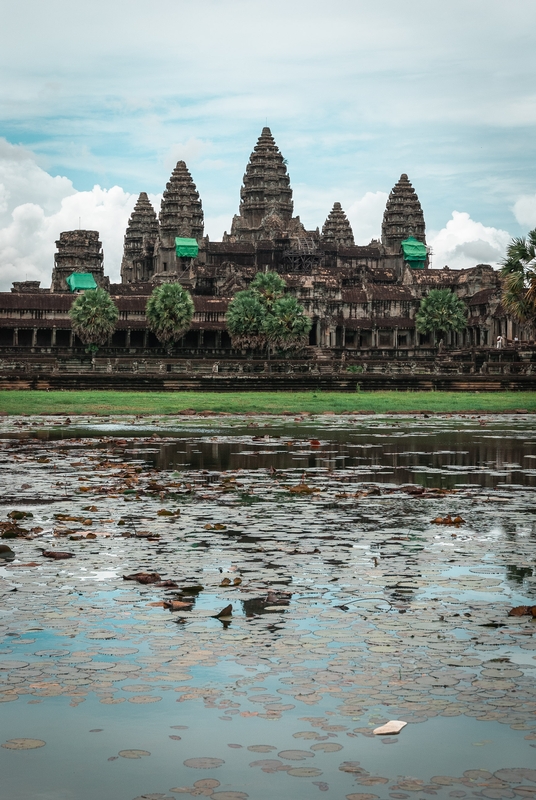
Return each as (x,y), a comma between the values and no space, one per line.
(518,273)
(287,327)
(245,320)
(169,312)
(440,312)
(269,286)
(93,316)
(265,316)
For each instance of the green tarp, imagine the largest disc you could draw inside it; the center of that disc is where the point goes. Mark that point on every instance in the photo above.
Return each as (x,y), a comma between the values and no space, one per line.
(186,248)
(415,252)
(79,281)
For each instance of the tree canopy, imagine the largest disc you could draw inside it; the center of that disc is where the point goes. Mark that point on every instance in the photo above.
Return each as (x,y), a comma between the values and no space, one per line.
(169,312)
(518,273)
(93,316)
(265,316)
(440,312)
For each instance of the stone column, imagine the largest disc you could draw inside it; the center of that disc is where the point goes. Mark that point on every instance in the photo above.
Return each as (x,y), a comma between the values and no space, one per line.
(218,339)
(53,337)
(395,343)
(34,337)
(145,339)
(200,338)
(127,338)
(15,337)
(374,337)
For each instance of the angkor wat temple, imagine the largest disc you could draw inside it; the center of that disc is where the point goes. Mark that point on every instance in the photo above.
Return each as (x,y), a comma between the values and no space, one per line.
(362,299)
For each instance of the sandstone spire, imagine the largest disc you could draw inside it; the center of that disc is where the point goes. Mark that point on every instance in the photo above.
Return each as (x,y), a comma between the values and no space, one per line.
(78,251)
(337,230)
(266,197)
(403,216)
(181,213)
(140,238)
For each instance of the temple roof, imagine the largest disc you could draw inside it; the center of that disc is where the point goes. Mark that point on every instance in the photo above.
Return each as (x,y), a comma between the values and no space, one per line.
(403,216)
(142,221)
(265,197)
(337,230)
(181,212)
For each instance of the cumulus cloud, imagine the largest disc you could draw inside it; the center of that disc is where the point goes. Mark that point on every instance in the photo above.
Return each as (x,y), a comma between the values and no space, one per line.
(35,207)
(366,216)
(525,211)
(463,243)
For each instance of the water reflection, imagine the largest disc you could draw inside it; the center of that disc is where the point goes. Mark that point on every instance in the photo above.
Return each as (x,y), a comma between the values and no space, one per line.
(393,452)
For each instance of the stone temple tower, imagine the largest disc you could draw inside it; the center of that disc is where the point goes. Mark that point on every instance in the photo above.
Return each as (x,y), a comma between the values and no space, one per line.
(266,197)
(140,239)
(78,251)
(336,230)
(181,215)
(403,216)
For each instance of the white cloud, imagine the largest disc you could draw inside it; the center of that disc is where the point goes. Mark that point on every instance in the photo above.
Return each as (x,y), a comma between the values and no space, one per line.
(35,207)
(366,216)
(525,211)
(463,243)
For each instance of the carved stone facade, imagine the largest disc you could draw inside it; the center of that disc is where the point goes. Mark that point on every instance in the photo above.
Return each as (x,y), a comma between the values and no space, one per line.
(265,197)
(141,235)
(362,300)
(403,216)
(336,229)
(78,251)
(181,215)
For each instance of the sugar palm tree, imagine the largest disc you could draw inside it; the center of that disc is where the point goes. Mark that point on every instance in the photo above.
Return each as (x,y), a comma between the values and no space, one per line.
(287,327)
(169,312)
(269,286)
(245,321)
(93,316)
(440,312)
(518,273)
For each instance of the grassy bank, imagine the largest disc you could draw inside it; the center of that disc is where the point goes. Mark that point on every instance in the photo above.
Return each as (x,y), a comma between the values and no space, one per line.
(103,402)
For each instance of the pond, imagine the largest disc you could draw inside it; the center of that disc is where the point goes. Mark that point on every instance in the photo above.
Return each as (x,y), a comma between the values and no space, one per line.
(244,600)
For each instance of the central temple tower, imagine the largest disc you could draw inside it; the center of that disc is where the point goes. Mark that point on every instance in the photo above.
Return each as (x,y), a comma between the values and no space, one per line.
(265,197)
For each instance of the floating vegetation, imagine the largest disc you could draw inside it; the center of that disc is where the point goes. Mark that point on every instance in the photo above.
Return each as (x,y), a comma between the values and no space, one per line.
(387,576)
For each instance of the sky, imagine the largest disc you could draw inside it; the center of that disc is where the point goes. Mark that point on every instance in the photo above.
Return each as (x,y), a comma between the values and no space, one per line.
(99,100)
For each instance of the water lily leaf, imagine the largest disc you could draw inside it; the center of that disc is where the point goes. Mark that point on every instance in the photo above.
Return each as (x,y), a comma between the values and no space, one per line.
(295,755)
(23,744)
(133,753)
(203,763)
(304,772)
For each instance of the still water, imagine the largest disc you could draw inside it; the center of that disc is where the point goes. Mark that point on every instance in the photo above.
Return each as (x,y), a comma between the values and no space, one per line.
(351,605)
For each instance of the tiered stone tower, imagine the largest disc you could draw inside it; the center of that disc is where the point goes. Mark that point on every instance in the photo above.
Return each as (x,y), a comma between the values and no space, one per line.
(337,230)
(181,214)
(265,197)
(78,251)
(403,216)
(140,239)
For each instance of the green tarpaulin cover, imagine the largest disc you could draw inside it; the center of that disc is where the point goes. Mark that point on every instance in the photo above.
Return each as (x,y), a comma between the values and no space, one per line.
(186,248)
(415,252)
(78,281)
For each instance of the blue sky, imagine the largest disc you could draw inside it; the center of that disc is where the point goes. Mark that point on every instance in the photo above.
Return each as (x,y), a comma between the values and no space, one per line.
(98,100)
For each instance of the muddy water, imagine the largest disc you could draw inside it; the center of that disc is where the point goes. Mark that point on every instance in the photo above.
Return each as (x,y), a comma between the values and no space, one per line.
(350,607)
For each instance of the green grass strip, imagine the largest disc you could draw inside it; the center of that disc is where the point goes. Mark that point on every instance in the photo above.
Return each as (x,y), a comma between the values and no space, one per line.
(110,402)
